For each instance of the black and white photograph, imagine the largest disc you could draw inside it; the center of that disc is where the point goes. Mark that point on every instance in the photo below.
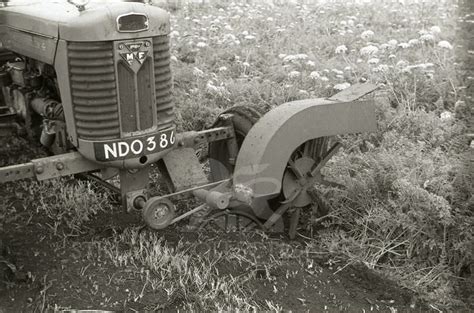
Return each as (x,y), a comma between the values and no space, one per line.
(236,156)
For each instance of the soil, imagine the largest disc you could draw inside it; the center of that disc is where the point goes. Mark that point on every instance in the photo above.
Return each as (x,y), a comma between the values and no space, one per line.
(40,272)
(50,272)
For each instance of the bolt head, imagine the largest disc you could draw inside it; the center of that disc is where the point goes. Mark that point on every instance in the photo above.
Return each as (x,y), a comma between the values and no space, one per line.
(59,166)
(39,170)
(161,211)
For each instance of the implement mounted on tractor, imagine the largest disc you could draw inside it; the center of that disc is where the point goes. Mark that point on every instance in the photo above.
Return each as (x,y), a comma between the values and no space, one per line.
(92,83)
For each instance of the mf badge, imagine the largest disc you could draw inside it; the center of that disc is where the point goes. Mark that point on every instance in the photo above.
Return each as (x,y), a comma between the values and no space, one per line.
(134,53)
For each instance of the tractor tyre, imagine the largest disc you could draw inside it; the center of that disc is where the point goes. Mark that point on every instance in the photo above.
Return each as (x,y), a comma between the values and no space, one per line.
(243,118)
(301,175)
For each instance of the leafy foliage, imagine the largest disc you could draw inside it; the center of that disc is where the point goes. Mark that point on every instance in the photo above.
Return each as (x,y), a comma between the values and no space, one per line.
(407,206)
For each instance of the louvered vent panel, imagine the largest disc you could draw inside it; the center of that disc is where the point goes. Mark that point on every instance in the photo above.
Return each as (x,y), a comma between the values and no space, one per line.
(93,88)
(164,105)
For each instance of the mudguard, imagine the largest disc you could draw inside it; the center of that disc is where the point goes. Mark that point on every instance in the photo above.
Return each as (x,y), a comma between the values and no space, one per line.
(269,144)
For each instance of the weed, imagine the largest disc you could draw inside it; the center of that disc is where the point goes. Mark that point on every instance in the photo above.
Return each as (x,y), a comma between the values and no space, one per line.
(405,210)
(67,205)
(188,277)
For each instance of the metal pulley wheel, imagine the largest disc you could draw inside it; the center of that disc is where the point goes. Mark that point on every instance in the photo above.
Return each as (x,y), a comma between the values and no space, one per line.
(158,213)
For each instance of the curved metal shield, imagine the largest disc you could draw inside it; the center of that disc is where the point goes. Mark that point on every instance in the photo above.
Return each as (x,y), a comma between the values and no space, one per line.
(271,141)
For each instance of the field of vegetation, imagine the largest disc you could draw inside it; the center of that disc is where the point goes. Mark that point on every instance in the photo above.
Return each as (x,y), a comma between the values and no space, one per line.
(404,213)
(407,206)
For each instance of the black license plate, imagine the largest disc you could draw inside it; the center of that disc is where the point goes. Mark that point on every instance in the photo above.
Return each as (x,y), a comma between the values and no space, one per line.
(134,147)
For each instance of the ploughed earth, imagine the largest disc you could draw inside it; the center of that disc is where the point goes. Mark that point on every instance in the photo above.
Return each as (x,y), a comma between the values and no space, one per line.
(43,268)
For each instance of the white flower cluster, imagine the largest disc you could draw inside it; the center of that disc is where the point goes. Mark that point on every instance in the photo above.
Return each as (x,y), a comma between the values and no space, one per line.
(413,42)
(294,74)
(373,61)
(341,49)
(409,68)
(314,75)
(216,90)
(445,45)
(428,37)
(197,72)
(367,34)
(294,57)
(369,50)
(342,86)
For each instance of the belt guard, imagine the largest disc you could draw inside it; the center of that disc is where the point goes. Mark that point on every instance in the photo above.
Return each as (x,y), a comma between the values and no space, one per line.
(269,144)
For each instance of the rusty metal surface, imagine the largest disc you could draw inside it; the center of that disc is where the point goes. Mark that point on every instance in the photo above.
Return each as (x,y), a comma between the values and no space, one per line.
(133,184)
(49,167)
(16,172)
(193,138)
(158,213)
(184,168)
(213,198)
(62,165)
(353,93)
(269,144)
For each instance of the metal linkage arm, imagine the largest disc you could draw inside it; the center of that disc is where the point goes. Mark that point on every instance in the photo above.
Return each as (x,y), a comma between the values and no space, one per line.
(193,138)
(48,167)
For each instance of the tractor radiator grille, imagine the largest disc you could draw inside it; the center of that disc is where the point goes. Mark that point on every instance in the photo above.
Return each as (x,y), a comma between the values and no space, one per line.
(94,84)
(135,118)
(164,105)
(93,88)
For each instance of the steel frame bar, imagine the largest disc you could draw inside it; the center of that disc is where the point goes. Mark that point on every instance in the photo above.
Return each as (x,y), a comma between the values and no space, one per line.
(74,163)
(49,167)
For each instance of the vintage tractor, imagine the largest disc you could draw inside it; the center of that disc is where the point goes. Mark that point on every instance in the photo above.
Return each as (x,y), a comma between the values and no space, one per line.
(92,83)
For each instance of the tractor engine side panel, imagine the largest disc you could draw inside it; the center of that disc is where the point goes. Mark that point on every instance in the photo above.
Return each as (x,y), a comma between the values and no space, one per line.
(35,46)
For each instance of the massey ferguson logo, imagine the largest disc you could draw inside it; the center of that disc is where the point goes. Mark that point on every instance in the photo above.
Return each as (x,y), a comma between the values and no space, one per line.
(134,53)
